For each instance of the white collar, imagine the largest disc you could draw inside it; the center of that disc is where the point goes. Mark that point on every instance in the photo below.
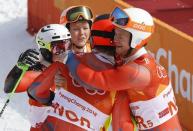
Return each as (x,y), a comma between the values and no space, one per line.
(104,57)
(110,59)
(139,53)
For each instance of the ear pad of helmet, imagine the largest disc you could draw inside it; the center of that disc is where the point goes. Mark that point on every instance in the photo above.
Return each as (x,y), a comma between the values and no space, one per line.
(46,54)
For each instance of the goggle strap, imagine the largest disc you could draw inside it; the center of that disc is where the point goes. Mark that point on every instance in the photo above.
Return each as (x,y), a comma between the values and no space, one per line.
(44,44)
(104,34)
(140,27)
(133,24)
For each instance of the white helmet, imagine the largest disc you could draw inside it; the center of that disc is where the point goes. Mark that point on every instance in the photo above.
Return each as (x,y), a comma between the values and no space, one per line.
(49,34)
(136,21)
(76,13)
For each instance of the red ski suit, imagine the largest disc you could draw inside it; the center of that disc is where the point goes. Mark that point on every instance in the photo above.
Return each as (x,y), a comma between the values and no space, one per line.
(147,85)
(75,107)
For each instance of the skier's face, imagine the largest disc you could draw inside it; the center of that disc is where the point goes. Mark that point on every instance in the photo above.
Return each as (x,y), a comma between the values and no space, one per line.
(58,47)
(58,50)
(121,41)
(80,33)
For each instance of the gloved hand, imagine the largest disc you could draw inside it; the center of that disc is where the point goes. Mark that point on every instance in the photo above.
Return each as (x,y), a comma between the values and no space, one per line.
(29,57)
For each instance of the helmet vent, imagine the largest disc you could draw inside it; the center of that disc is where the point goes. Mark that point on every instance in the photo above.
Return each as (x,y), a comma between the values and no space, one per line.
(55,37)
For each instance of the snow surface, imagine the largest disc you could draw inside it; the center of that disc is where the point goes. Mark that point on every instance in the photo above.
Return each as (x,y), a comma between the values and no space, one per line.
(13,40)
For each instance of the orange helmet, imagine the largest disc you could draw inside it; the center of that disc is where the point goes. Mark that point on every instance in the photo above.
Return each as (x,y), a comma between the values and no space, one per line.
(102,31)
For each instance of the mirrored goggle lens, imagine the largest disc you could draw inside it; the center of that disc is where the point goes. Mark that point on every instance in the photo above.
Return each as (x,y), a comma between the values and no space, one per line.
(60,46)
(122,21)
(74,13)
(119,17)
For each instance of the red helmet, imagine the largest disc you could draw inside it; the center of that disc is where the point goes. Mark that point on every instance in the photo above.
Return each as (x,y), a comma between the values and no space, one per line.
(102,31)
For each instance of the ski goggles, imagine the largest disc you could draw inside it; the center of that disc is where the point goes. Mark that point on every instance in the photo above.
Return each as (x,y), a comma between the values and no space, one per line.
(121,19)
(77,14)
(103,38)
(58,47)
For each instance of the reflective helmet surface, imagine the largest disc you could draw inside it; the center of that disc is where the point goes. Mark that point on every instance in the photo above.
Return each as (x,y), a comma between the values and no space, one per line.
(136,21)
(48,34)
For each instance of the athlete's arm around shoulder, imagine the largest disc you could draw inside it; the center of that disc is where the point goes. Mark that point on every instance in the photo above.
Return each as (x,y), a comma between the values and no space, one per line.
(130,75)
